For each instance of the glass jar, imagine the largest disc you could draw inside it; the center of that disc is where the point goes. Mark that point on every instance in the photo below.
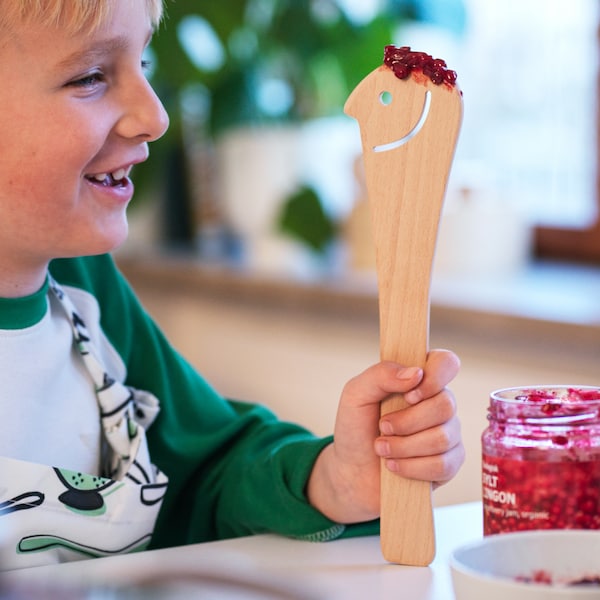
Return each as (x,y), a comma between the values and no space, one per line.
(541,459)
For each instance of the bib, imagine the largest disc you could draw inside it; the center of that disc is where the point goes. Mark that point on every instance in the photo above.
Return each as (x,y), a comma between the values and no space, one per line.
(50,515)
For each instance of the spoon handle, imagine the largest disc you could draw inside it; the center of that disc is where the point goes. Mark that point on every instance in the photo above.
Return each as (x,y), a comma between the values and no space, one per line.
(409,129)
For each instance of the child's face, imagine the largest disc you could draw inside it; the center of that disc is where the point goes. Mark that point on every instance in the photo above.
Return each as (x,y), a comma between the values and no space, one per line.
(72,108)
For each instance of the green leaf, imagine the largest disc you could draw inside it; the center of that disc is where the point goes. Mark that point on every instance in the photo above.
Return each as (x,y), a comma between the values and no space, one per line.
(303,218)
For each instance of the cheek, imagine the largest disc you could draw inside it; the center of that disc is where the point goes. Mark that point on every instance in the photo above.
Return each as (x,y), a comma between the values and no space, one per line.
(46,166)
(37,182)
(43,159)
(37,193)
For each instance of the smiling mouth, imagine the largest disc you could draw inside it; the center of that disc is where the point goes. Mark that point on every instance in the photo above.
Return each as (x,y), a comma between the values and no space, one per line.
(411,134)
(114,179)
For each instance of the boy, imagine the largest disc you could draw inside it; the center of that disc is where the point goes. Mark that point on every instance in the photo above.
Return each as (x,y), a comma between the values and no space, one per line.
(90,463)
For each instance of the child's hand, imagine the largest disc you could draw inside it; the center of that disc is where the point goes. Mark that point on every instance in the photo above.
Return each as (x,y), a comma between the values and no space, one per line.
(422,441)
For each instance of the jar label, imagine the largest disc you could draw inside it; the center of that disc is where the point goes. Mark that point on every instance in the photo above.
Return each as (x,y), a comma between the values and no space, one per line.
(523,494)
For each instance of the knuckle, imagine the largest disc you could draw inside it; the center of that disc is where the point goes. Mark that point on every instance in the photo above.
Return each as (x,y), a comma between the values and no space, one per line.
(446,408)
(449,463)
(443,439)
(442,469)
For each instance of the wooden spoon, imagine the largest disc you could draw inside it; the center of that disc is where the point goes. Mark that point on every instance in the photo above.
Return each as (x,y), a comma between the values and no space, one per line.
(409,129)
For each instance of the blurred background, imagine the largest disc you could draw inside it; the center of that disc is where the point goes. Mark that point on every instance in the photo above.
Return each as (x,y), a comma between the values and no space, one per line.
(250,240)
(260,152)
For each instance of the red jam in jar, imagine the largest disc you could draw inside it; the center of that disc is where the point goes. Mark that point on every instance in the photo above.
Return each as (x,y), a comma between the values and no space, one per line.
(541,459)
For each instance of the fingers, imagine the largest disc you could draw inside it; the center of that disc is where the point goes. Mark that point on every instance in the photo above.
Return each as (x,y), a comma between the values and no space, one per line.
(423,441)
(385,378)
(435,454)
(441,368)
(428,442)
(422,416)
(379,381)
(438,469)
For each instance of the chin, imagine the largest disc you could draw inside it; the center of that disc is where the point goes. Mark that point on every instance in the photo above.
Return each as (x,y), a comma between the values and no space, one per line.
(105,242)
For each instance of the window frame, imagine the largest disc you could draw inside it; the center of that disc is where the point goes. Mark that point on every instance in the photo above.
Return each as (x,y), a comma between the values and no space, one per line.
(575,245)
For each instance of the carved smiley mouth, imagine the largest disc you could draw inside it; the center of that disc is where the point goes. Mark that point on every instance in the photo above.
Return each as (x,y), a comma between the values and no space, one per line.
(411,134)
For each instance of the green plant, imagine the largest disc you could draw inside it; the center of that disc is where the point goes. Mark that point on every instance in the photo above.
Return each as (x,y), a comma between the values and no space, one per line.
(303,218)
(310,47)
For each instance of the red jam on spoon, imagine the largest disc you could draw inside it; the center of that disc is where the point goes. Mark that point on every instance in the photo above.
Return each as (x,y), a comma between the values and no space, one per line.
(404,62)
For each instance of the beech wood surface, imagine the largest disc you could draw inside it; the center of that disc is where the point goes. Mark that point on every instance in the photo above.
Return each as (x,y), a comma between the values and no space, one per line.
(406,186)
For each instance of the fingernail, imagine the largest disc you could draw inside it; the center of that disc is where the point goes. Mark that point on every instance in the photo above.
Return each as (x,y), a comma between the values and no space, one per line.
(382,448)
(386,428)
(392,466)
(413,397)
(408,373)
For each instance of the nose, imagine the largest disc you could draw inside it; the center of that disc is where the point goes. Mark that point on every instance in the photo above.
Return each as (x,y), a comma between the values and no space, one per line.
(144,117)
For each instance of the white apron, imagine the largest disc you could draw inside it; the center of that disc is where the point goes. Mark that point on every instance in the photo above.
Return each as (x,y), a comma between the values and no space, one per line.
(50,515)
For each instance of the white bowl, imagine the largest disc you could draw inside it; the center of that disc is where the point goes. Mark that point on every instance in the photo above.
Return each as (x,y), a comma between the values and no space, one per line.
(495,567)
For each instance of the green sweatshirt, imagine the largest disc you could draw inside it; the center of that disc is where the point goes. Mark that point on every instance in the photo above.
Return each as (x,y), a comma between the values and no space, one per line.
(234,469)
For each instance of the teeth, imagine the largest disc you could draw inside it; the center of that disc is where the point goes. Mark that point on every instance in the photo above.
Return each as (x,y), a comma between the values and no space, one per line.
(107,178)
(119,174)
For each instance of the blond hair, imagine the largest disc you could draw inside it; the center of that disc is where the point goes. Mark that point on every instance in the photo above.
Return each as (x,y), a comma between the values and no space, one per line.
(73,15)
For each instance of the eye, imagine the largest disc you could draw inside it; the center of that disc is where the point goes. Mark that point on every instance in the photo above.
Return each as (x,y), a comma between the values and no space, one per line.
(88,80)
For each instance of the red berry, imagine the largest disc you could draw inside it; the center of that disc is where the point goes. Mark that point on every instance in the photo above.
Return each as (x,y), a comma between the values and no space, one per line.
(403,61)
(401,71)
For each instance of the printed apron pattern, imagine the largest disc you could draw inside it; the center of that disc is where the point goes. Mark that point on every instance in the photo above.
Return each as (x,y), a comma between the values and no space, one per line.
(49,514)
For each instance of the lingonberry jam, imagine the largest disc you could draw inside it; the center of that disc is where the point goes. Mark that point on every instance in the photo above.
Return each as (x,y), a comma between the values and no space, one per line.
(546,578)
(541,459)
(403,61)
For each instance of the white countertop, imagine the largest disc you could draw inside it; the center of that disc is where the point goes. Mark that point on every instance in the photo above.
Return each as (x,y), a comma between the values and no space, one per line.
(346,569)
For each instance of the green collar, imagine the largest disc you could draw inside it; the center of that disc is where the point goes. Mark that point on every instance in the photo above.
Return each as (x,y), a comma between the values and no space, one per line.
(19,313)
